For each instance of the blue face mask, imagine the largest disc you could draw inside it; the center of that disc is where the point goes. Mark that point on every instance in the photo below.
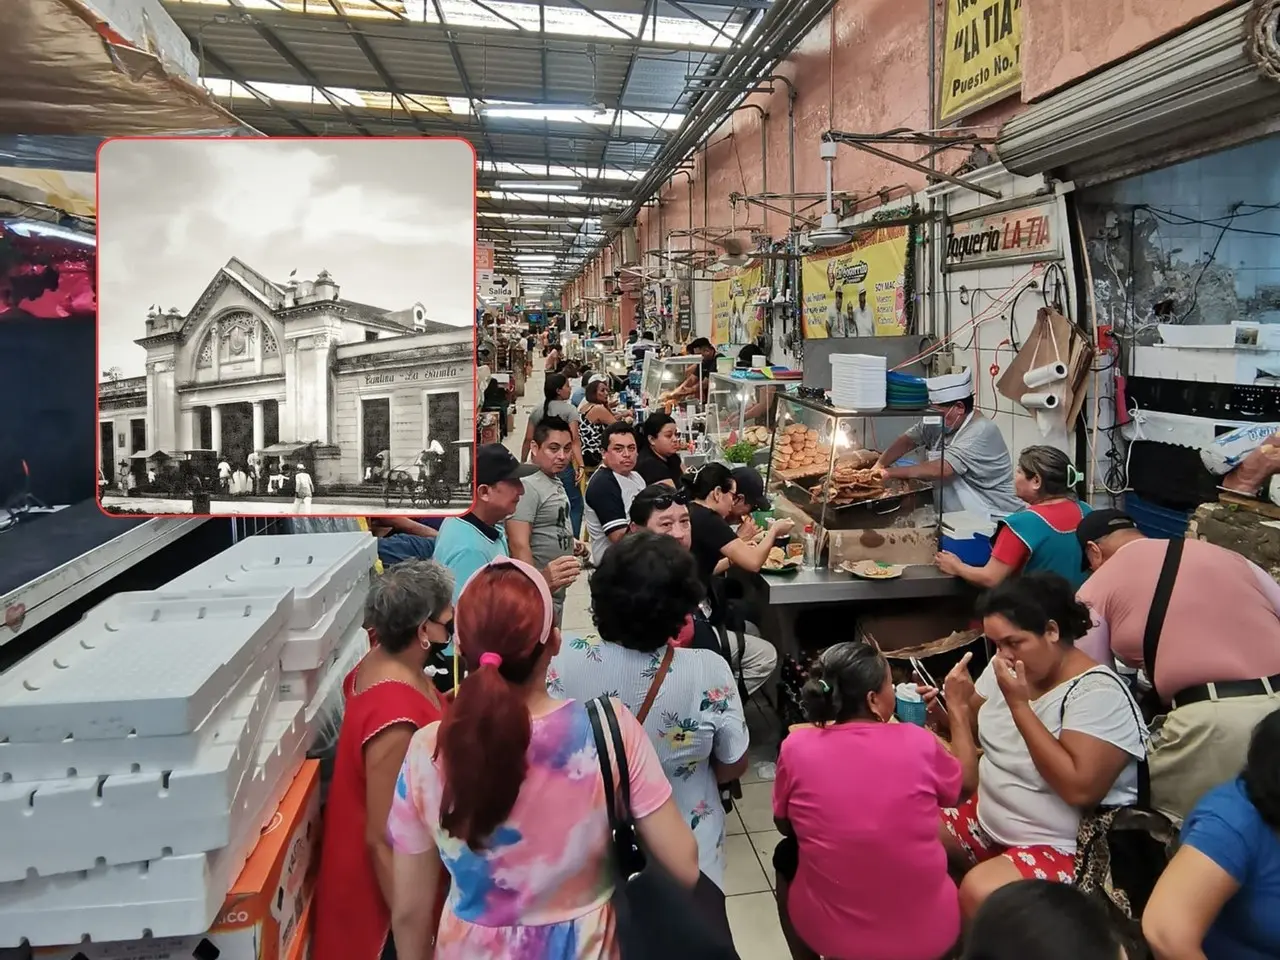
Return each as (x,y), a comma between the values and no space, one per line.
(448,649)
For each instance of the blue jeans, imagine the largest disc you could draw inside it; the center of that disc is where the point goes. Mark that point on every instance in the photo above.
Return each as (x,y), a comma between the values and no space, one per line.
(576,505)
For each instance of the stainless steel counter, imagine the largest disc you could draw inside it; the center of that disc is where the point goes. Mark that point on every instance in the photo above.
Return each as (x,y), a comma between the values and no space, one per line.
(829,586)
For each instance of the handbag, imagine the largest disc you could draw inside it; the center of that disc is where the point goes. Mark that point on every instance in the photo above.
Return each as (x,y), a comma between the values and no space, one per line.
(1122,850)
(654,917)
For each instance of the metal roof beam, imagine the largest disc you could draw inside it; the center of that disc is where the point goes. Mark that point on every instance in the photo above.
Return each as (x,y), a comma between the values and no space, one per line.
(292,22)
(276,109)
(291,58)
(375,63)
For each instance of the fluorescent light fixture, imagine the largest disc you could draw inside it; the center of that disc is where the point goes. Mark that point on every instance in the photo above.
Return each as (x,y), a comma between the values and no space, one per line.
(35,228)
(553,186)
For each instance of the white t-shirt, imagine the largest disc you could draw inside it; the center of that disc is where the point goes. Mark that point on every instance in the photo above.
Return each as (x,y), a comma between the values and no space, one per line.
(608,503)
(1015,804)
(302,485)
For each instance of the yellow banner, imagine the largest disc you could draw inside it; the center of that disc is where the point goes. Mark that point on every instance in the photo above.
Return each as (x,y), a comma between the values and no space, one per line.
(857,290)
(735,318)
(981,60)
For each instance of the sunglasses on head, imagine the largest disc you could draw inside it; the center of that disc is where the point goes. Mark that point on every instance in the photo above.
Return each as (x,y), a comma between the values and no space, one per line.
(665,501)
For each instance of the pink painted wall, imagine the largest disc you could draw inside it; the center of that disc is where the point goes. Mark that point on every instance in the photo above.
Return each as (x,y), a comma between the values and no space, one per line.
(879,81)
(1064,41)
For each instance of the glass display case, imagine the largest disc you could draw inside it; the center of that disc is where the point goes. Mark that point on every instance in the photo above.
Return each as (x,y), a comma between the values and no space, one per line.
(742,404)
(820,462)
(663,374)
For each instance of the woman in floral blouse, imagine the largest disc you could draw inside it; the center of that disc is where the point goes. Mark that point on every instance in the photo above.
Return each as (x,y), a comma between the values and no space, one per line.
(641,595)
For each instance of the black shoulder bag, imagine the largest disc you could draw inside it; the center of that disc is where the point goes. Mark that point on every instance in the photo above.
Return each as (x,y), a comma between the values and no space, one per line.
(1152,705)
(655,918)
(1121,851)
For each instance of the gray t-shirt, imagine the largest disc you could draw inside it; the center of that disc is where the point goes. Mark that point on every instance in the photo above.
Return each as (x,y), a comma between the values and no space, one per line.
(563,409)
(545,507)
(979,456)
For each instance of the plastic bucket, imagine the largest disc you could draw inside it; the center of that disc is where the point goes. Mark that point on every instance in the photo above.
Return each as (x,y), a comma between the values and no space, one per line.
(911,711)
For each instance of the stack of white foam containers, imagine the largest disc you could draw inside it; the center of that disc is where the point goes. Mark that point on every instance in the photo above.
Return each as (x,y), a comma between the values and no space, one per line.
(142,751)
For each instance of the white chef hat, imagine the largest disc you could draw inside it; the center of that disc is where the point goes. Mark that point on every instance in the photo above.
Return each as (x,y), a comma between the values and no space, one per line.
(950,388)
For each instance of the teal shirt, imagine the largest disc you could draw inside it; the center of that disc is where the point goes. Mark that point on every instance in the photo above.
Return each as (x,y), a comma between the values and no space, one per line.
(464,548)
(1057,551)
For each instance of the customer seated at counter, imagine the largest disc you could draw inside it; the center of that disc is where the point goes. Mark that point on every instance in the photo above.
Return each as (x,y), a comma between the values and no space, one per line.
(659,459)
(1060,735)
(860,871)
(1040,536)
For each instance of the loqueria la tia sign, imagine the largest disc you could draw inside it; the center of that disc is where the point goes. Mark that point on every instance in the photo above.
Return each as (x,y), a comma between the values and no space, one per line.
(1023,233)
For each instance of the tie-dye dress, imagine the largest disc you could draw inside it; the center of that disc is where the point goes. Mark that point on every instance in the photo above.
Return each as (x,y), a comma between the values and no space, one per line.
(541,890)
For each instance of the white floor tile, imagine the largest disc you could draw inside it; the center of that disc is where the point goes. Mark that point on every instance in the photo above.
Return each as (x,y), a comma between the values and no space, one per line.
(757,935)
(756,806)
(743,873)
(764,844)
(733,823)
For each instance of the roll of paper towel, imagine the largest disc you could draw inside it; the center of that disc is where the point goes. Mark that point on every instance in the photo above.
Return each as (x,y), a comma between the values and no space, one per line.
(1040,401)
(1043,376)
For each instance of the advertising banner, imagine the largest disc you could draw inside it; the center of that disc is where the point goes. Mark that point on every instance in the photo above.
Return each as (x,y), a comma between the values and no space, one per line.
(484,263)
(734,315)
(858,289)
(981,50)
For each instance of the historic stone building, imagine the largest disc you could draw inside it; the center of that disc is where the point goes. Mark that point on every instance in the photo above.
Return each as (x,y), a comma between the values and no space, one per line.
(257,365)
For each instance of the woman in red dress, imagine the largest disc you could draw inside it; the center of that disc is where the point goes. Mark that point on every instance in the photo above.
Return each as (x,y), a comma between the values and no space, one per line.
(388,698)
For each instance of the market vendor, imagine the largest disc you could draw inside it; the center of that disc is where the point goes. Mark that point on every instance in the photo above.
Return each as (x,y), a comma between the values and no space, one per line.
(966,455)
(694,383)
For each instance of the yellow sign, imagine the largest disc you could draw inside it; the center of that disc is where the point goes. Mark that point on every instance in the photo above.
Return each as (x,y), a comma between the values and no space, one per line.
(859,289)
(735,317)
(981,55)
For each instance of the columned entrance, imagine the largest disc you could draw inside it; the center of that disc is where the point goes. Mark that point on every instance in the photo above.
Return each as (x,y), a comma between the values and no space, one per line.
(235,430)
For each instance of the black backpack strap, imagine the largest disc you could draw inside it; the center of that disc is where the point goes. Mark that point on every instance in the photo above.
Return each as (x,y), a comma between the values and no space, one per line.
(1144,769)
(1160,608)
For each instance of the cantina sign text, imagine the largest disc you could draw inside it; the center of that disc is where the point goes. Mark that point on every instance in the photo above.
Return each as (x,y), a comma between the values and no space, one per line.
(995,237)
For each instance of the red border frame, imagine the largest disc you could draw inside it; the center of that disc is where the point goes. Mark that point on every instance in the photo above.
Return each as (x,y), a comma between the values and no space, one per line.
(97,400)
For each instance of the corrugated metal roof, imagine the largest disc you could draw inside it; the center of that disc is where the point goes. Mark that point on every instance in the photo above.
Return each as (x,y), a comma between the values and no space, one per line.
(373,58)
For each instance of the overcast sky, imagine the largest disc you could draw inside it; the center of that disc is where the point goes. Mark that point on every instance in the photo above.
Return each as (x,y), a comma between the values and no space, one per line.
(392,220)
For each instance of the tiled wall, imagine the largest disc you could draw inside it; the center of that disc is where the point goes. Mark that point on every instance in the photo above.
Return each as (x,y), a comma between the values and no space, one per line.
(1143,258)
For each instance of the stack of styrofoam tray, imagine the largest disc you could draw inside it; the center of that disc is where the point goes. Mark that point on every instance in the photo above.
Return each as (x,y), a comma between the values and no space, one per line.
(858,382)
(169,896)
(61,826)
(139,665)
(308,685)
(309,654)
(319,568)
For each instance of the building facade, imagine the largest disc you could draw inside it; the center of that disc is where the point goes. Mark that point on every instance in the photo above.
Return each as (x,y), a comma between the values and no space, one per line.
(260,365)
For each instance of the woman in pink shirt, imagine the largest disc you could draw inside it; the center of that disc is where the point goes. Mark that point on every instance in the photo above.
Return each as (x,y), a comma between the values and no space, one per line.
(861,872)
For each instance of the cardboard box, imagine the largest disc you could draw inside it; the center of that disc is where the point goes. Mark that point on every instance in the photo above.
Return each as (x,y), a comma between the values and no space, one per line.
(266,915)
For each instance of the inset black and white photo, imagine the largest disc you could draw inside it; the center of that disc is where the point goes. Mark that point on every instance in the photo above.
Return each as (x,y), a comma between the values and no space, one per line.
(286,326)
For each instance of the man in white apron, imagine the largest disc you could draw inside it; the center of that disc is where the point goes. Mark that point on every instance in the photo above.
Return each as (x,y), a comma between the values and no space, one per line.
(966,456)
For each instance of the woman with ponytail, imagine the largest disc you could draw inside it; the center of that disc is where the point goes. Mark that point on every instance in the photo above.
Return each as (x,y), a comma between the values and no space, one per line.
(555,403)
(505,794)
(860,871)
(1042,535)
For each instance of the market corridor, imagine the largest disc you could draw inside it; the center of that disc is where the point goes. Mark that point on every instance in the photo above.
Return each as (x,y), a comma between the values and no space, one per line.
(751,835)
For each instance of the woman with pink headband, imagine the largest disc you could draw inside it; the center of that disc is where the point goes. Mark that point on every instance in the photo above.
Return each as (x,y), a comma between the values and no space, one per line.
(505,793)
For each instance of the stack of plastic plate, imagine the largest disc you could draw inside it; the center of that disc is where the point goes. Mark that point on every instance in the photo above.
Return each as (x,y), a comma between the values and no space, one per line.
(907,392)
(858,382)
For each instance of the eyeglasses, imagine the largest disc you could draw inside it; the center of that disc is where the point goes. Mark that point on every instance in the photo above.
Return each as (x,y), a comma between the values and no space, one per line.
(446,627)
